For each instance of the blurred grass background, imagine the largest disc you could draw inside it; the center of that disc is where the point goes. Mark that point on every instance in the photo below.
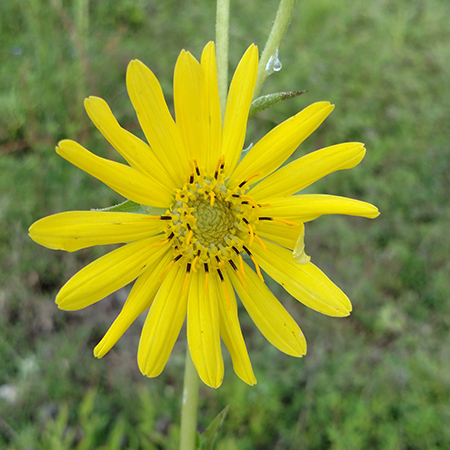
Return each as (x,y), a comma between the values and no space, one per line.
(379,379)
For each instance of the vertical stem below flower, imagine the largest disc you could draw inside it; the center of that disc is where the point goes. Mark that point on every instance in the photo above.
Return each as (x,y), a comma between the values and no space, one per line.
(276,35)
(80,34)
(222,32)
(189,407)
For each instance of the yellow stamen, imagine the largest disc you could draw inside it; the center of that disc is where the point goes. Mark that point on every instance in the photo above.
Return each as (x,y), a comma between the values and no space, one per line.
(193,263)
(250,201)
(212,197)
(258,270)
(233,265)
(188,237)
(185,282)
(261,243)
(219,166)
(166,269)
(197,170)
(162,217)
(191,180)
(241,279)
(206,282)
(226,294)
(241,264)
(266,218)
(248,179)
(252,234)
(220,263)
(160,245)
(292,224)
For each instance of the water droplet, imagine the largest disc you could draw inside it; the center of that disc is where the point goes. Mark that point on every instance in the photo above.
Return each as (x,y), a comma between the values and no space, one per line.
(274,63)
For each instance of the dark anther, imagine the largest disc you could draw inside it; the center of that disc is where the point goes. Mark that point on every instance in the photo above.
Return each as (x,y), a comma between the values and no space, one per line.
(233,265)
(177,258)
(235,250)
(218,259)
(171,235)
(206,267)
(265,218)
(165,217)
(188,268)
(220,275)
(246,250)
(191,179)
(245,220)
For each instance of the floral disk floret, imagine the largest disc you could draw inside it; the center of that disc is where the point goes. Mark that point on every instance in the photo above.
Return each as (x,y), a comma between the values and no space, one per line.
(191,260)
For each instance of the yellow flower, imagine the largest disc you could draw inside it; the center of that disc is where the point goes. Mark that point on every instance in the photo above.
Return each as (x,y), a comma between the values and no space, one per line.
(189,260)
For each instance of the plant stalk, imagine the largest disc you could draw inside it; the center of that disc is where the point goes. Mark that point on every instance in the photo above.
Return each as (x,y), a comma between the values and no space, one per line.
(222,37)
(282,20)
(189,406)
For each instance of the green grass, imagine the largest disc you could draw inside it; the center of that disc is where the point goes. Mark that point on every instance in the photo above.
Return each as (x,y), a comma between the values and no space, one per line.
(376,380)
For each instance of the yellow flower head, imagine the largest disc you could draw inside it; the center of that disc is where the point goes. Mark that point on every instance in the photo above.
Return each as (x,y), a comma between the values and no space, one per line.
(190,259)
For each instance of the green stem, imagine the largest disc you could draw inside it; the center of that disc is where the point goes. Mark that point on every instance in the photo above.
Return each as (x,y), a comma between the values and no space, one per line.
(276,35)
(222,33)
(189,407)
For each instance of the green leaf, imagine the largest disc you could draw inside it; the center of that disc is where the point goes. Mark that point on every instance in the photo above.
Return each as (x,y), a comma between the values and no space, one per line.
(265,101)
(209,436)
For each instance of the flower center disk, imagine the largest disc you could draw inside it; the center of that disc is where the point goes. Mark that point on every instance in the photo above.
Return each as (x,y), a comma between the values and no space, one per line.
(213,222)
(209,224)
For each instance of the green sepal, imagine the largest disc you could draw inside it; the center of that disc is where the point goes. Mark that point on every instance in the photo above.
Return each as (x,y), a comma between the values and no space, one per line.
(265,101)
(206,440)
(126,206)
(133,207)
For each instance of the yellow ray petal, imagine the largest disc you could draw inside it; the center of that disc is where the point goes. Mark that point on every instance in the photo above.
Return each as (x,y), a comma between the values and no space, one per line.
(153,114)
(139,299)
(106,275)
(305,282)
(275,147)
(281,233)
(136,152)
(237,108)
(303,208)
(269,315)
(230,330)
(304,171)
(74,230)
(187,93)
(163,323)
(211,107)
(125,180)
(203,332)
